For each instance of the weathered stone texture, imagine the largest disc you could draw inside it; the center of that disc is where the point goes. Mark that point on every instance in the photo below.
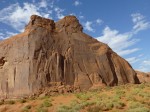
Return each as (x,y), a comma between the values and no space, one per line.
(48,52)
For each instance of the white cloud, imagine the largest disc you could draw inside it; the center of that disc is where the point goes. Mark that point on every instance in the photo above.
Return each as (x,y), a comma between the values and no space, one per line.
(118,42)
(146,62)
(122,42)
(145,66)
(6,35)
(140,22)
(128,51)
(43,4)
(1,36)
(132,60)
(76,3)
(88,26)
(81,17)
(99,21)
(59,12)
(18,16)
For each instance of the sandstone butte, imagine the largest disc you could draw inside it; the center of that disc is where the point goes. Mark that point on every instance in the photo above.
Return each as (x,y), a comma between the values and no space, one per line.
(59,53)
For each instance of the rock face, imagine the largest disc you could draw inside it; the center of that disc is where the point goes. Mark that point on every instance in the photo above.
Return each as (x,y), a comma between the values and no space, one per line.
(143,77)
(49,53)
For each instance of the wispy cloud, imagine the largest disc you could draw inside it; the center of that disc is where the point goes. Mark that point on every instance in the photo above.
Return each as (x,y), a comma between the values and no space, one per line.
(146,62)
(1,36)
(81,17)
(118,42)
(122,42)
(140,22)
(76,3)
(99,21)
(144,66)
(59,12)
(43,4)
(6,35)
(17,16)
(88,26)
(133,60)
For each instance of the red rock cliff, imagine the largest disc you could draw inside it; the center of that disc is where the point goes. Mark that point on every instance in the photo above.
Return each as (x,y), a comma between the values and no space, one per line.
(48,52)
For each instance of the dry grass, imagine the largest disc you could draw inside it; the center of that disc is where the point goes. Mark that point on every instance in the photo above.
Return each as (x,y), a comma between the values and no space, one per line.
(127,98)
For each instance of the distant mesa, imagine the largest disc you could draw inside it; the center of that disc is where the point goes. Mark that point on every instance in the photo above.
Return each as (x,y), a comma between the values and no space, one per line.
(58,56)
(143,77)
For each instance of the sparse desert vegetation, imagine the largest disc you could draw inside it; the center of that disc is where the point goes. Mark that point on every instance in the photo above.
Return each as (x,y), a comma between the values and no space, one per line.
(125,98)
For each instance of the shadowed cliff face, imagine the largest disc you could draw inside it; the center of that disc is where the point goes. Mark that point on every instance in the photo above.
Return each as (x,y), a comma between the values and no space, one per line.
(49,53)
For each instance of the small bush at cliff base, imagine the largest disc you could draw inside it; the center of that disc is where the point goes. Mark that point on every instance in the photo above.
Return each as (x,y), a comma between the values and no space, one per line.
(46,103)
(94,109)
(83,96)
(22,101)
(10,102)
(27,108)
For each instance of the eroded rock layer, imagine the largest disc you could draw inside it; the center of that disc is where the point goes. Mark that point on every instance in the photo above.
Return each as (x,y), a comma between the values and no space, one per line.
(48,52)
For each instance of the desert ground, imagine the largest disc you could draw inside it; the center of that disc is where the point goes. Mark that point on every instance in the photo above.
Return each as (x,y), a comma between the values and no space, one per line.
(125,98)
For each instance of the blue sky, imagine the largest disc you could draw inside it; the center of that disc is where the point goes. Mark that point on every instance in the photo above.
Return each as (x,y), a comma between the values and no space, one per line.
(123,25)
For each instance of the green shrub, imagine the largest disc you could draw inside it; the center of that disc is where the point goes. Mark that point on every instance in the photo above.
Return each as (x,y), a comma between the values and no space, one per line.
(44,97)
(96,90)
(32,98)
(109,106)
(83,96)
(119,105)
(10,102)
(86,104)
(103,97)
(116,98)
(133,105)
(105,105)
(47,103)
(142,86)
(74,106)
(63,108)
(94,109)
(120,93)
(107,88)
(144,94)
(130,98)
(135,91)
(22,101)
(27,108)
(139,109)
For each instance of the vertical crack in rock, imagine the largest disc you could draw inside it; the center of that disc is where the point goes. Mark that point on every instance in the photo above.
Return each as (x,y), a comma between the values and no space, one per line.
(114,79)
(2,61)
